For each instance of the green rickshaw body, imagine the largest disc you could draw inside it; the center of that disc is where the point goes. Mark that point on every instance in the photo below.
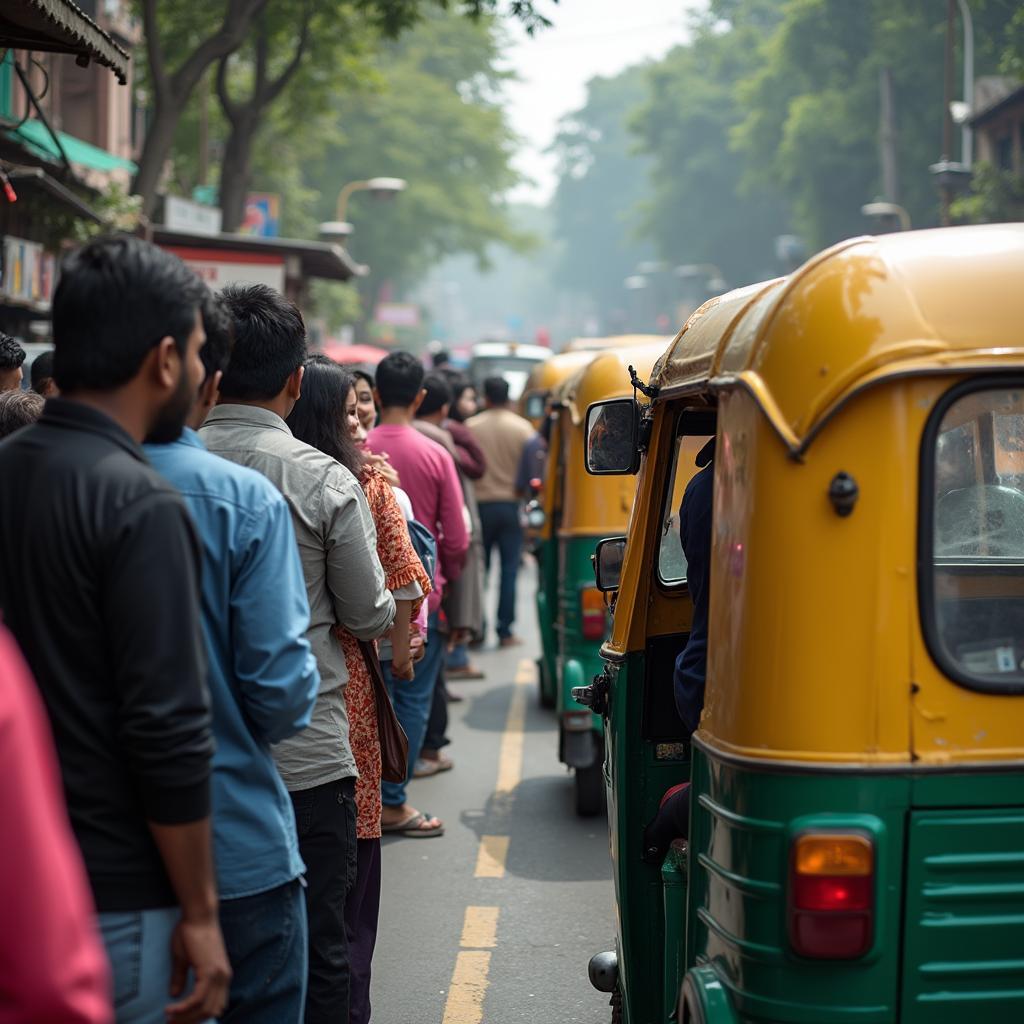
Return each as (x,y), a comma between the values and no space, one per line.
(856,836)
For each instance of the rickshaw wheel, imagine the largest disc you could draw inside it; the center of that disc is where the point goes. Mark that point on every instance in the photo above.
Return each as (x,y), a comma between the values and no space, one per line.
(546,700)
(589,783)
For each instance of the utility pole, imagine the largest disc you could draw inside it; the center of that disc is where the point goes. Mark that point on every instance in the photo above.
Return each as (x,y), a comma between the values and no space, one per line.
(945,189)
(887,138)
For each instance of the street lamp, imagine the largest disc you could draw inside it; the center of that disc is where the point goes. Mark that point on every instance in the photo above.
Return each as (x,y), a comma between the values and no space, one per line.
(380,188)
(880,208)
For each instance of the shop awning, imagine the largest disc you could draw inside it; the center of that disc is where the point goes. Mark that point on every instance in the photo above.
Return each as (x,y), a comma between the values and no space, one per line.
(35,178)
(38,138)
(60,26)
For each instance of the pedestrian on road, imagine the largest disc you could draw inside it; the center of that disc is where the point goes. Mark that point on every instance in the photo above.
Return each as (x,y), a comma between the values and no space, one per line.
(99,583)
(263,686)
(502,434)
(345,587)
(429,476)
(12,355)
(326,416)
(52,964)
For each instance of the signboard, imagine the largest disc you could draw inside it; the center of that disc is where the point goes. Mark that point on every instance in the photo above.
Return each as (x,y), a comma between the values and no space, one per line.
(185,215)
(262,215)
(219,269)
(398,314)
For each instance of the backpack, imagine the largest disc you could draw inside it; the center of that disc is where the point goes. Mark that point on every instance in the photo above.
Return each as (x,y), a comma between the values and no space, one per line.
(425,545)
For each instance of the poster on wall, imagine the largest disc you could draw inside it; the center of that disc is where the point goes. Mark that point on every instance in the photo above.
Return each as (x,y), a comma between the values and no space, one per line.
(262,215)
(28,271)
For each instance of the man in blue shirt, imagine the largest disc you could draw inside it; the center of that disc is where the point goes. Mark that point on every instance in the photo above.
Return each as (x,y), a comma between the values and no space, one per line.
(263,685)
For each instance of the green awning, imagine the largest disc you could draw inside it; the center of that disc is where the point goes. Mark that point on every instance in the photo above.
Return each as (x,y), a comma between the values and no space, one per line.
(38,138)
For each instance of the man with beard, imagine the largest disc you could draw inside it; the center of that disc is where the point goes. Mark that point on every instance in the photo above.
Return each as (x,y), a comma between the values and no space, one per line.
(99,583)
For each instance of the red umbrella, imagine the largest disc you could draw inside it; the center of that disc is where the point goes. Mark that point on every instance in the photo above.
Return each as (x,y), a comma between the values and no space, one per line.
(354,353)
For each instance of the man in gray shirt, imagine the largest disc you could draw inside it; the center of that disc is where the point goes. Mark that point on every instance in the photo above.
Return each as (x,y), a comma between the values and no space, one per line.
(345,586)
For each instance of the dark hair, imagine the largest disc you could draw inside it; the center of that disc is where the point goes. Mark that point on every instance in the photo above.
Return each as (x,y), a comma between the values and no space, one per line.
(440,358)
(12,355)
(399,379)
(42,370)
(117,298)
(18,409)
(270,342)
(459,384)
(496,390)
(318,417)
(439,394)
(220,338)
(361,374)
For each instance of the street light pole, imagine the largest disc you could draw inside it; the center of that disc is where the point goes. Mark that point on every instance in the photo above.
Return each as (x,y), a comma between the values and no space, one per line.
(383,188)
(966,135)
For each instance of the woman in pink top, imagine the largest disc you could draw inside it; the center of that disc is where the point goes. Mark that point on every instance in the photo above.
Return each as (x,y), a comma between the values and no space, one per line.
(52,965)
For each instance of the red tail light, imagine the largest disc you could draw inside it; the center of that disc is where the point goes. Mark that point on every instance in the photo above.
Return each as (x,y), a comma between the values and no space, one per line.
(592,614)
(831,895)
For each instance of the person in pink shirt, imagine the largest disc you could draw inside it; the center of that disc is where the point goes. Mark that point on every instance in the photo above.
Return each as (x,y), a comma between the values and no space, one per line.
(429,477)
(52,964)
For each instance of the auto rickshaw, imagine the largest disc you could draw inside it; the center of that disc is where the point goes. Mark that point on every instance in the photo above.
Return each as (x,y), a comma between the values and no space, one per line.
(579,510)
(856,833)
(544,377)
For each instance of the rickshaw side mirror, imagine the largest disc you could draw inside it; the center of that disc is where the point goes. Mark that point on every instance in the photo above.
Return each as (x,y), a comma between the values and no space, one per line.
(613,437)
(608,558)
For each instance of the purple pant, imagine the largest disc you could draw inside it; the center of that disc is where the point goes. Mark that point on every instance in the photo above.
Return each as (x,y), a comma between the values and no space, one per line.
(361,912)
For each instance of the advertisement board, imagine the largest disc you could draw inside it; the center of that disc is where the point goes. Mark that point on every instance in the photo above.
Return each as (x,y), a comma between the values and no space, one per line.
(219,269)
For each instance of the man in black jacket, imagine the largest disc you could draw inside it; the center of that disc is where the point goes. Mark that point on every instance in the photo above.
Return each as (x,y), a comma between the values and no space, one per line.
(99,582)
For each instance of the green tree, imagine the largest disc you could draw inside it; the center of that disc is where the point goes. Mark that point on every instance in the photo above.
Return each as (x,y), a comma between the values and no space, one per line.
(707,204)
(602,182)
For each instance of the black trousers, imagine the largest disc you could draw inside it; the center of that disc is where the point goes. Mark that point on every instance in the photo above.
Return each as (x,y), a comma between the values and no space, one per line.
(437,723)
(325,818)
(361,914)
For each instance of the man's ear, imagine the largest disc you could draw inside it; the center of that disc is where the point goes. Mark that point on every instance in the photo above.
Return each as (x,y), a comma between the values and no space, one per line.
(294,385)
(418,400)
(165,363)
(209,393)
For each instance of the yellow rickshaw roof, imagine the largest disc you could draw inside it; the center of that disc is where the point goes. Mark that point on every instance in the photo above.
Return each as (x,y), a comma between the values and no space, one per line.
(544,376)
(606,376)
(920,302)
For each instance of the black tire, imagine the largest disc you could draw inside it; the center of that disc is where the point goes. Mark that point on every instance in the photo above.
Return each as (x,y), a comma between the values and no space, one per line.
(546,700)
(589,784)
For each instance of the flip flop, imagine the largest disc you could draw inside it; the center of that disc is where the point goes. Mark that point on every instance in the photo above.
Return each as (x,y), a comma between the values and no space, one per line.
(412,827)
(427,766)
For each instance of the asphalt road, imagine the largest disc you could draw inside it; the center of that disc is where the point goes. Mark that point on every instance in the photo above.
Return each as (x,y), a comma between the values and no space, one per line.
(495,921)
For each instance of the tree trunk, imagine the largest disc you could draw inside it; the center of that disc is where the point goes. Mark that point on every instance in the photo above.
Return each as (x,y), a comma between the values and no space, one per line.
(155,150)
(236,172)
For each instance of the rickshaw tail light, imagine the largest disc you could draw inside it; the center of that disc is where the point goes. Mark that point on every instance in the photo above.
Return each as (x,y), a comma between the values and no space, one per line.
(831,895)
(592,614)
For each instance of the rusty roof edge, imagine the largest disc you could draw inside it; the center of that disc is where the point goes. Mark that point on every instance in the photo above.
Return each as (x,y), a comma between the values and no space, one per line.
(101,46)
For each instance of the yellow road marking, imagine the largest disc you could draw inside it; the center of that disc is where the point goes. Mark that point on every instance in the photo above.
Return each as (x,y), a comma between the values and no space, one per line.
(480,928)
(510,756)
(490,861)
(465,1004)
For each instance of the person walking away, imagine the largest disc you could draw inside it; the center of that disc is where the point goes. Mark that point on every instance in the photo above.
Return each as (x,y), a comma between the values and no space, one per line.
(502,434)
(344,586)
(52,966)
(263,686)
(431,480)
(18,409)
(99,583)
(12,355)
(326,417)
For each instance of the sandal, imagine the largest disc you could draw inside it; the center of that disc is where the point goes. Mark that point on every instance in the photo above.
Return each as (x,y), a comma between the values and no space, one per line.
(413,827)
(427,766)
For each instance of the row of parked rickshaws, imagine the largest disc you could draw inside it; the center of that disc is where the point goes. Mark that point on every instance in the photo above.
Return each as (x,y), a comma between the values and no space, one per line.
(855,848)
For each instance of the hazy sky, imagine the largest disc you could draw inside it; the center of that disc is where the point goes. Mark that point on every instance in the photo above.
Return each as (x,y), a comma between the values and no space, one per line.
(588,38)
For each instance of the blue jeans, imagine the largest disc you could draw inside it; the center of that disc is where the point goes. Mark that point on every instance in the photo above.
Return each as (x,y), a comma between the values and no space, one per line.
(139,947)
(412,705)
(458,657)
(266,941)
(501,530)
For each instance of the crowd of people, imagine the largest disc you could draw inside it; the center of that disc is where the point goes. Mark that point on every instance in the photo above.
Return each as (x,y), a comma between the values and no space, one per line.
(235,581)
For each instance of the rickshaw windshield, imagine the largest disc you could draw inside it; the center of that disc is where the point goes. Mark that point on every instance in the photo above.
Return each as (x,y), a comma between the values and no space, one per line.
(975,623)
(671,560)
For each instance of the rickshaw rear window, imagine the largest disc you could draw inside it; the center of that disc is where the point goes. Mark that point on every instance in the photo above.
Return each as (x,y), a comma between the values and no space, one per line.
(974,497)
(671,560)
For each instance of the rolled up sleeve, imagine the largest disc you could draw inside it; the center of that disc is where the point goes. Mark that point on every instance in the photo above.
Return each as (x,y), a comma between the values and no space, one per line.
(274,666)
(152,608)
(355,579)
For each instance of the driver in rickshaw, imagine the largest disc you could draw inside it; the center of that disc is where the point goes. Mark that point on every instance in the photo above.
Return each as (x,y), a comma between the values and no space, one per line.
(673,818)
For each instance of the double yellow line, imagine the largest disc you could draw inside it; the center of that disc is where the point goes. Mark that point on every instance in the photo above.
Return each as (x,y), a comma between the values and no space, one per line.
(470,978)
